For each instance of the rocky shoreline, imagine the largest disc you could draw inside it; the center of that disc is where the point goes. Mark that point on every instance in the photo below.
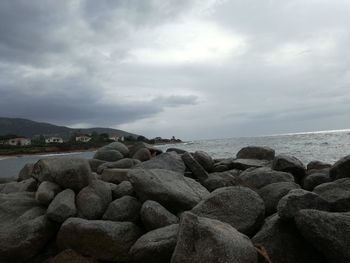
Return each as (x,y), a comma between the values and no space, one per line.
(140,204)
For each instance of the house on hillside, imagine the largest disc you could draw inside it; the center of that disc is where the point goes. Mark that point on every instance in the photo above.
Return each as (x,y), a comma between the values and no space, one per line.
(54,140)
(19,141)
(82,138)
(116,138)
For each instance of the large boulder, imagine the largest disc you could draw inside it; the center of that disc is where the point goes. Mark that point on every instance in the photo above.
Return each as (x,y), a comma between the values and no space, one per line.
(140,145)
(336,193)
(26,172)
(46,192)
(93,200)
(240,207)
(156,246)
(154,215)
(28,185)
(122,189)
(117,146)
(299,199)
(104,240)
(168,161)
(341,169)
(71,256)
(290,164)
(328,232)
(208,240)
(67,172)
(205,160)
(143,155)
(108,155)
(256,152)
(222,179)
(24,228)
(272,194)
(126,208)
(95,163)
(177,150)
(317,165)
(195,167)
(244,164)
(125,163)
(256,178)
(62,207)
(315,179)
(115,175)
(284,244)
(173,190)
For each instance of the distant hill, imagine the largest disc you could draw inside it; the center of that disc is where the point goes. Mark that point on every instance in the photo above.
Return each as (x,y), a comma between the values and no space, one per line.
(29,128)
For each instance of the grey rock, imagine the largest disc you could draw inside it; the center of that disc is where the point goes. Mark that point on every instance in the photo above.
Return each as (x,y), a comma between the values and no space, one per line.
(284,244)
(272,194)
(197,170)
(173,190)
(220,168)
(143,155)
(122,189)
(62,207)
(328,232)
(26,172)
(95,163)
(28,185)
(256,152)
(108,155)
(222,179)
(117,146)
(177,150)
(71,256)
(93,200)
(336,193)
(104,240)
(67,172)
(205,160)
(46,192)
(315,179)
(256,178)
(126,208)
(125,163)
(24,229)
(168,161)
(317,165)
(156,246)
(208,240)
(244,164)
(240,207)
(115,175)
(341,169)
(154,215)
(299,199)
(154,150)
(290,164)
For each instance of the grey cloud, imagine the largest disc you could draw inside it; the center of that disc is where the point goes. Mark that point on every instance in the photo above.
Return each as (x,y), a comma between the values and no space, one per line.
(59,60)
(175,100)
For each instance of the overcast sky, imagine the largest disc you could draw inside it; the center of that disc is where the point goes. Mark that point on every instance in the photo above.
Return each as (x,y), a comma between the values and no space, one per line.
(193,69)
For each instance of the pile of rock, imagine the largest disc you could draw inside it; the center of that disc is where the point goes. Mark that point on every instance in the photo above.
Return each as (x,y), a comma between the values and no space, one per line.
(142,205)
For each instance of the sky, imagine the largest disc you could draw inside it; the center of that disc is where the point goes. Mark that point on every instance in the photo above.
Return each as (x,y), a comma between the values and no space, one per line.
(194,69)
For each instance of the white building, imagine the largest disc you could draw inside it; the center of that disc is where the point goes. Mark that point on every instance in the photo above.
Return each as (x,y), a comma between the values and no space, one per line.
(116,138)
(82,138)
(54,140)
(19,141)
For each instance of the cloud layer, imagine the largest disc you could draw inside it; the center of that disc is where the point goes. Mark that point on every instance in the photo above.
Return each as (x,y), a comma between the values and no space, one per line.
(193,69)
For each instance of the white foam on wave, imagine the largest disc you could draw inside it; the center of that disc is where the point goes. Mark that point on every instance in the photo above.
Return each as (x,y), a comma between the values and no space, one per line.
(313,132)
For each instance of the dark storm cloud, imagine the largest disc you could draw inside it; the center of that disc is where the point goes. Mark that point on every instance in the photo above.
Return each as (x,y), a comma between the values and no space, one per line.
(243,67)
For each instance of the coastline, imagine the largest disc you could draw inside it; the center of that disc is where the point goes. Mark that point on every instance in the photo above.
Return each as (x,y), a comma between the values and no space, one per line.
(12,155)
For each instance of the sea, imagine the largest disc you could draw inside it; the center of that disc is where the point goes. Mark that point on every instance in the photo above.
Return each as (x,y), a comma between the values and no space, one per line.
(326,146)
